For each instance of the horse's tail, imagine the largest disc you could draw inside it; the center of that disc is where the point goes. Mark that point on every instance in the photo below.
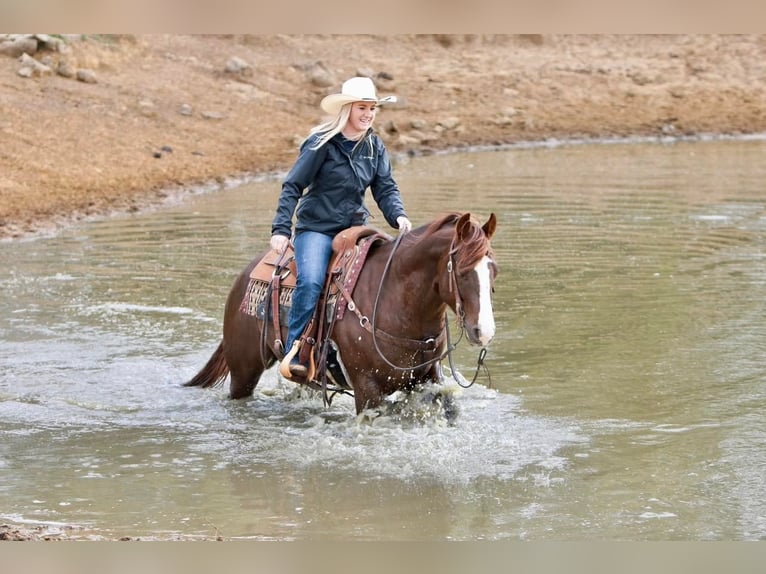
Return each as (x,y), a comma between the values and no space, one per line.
(213,373)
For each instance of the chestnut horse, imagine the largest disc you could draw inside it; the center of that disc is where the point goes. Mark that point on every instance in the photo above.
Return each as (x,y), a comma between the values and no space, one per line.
(397,334)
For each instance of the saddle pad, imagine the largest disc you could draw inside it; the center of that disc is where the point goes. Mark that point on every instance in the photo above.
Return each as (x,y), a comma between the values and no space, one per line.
(254,301)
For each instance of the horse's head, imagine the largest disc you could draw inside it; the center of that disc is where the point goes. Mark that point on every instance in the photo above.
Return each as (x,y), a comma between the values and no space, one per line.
(472,269)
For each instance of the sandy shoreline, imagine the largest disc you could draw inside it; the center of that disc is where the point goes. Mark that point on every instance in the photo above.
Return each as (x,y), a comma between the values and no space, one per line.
(171,112)
(146,202)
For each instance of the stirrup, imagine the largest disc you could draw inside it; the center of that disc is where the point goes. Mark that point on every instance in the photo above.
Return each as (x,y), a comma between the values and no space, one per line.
(284,365)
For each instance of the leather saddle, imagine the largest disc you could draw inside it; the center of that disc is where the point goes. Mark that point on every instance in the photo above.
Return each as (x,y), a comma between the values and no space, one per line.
(272,283)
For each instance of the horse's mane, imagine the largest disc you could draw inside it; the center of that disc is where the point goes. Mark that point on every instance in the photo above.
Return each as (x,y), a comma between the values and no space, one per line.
(475,246)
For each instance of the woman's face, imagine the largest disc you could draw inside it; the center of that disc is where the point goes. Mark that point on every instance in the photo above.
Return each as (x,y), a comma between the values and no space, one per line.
(361,117)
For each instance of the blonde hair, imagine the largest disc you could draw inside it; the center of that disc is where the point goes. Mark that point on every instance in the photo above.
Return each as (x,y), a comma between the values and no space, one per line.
(330,129)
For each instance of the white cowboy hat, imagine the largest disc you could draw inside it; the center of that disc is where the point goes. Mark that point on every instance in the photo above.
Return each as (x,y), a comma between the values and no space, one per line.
(357,89)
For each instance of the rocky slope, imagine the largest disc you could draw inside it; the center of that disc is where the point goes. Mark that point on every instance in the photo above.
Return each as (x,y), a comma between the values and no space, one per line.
(91,124)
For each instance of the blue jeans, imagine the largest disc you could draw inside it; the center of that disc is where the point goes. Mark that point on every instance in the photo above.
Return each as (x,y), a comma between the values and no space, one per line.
(312,256)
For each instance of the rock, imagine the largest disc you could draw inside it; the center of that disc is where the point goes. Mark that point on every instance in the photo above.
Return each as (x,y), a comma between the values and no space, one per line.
(185,110)
(449,123)
(18,46)
(32,68)
(385,82)
(65,69)
(7,532)
(238,66)
(46,42)
(677,92)
(365,72)
(87,76)
(320,76)
(407,140)
(147,108)
(428,139)
(534,39)
(640,78)
(213,115)
(445,40)
(390,127)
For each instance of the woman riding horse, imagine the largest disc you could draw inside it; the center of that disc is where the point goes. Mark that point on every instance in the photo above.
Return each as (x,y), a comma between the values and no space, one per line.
(397,330)
(337,162)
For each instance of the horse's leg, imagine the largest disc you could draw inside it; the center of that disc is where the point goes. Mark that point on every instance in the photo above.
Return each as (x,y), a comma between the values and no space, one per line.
(435,374)
(243,383)
(245,355)
(367,393)
(242,344)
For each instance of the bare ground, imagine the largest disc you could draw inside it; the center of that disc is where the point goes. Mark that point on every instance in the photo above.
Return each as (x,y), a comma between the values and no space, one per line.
(71,149)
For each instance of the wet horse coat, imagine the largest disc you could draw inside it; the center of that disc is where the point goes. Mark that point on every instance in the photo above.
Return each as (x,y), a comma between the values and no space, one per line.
(395,335)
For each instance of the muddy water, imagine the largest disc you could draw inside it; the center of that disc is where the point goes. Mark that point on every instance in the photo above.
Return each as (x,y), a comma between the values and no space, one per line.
(627,389)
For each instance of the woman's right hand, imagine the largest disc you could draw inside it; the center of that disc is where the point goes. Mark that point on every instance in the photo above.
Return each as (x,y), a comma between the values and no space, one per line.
(279,243)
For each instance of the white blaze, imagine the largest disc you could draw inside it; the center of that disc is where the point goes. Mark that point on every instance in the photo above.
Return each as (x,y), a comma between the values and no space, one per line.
(486,317)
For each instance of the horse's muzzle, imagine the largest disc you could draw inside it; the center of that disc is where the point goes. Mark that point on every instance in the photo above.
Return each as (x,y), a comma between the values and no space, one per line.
(478,336)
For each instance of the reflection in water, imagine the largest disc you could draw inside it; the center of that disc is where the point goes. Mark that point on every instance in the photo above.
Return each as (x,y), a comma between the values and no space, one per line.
(627,374)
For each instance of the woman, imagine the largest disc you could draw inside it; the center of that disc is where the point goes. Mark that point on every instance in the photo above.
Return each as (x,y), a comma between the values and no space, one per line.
(337,162)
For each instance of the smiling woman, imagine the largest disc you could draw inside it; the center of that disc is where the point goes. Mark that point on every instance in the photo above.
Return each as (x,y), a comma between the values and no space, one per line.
(339,160)
(359,120)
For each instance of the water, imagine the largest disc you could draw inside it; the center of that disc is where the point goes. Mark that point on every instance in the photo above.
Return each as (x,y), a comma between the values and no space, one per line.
(628,378)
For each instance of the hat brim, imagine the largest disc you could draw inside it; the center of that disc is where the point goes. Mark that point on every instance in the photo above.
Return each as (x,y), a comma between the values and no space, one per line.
(334,102)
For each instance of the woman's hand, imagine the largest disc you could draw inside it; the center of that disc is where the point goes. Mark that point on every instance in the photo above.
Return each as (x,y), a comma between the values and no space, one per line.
(279,243)
(404,224)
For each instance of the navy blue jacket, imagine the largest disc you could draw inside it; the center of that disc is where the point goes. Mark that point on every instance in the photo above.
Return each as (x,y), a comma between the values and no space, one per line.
(335,182)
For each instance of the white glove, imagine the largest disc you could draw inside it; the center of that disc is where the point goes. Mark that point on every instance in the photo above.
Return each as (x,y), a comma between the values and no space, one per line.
(404,224)
(279,243)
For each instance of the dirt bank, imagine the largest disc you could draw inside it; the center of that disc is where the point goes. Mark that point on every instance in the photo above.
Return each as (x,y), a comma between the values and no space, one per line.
(162,111)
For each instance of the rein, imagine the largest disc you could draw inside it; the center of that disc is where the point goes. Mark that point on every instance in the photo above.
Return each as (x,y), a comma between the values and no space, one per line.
(460,313)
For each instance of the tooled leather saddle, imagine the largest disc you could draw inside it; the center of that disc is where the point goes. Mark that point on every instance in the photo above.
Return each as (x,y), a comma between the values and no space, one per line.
(269,296)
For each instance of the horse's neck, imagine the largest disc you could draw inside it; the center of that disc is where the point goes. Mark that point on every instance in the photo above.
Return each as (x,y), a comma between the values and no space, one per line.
(420,265)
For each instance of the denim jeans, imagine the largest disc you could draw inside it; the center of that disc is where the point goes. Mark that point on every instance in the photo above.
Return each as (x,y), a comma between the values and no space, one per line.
(312,256)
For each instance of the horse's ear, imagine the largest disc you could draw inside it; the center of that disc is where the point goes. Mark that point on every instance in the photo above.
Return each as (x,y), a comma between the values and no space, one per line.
(462,225)
(490,226)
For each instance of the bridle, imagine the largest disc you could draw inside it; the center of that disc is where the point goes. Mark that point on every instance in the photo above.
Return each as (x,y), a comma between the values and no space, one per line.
(452,279)
(460,313)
